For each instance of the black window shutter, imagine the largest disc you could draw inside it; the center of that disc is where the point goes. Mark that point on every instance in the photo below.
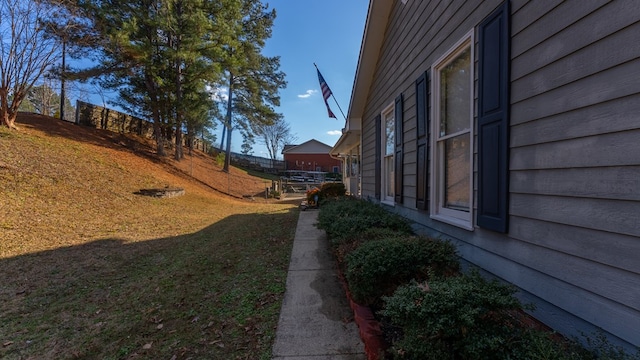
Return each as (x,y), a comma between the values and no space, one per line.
(398,160)
(422,141)
(378,157)
(493,120)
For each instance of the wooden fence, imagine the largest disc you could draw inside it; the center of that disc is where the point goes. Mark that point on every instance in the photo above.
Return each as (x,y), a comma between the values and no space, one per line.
(101,117)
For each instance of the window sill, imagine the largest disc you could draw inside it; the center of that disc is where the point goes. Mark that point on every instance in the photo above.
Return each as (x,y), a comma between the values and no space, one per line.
(388,202)
(461,223)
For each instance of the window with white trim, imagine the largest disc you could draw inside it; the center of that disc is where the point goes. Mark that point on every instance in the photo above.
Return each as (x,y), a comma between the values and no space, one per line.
(452,137)
(388,151)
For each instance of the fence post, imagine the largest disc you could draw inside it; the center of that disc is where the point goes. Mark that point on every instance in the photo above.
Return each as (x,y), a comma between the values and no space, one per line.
(77,108)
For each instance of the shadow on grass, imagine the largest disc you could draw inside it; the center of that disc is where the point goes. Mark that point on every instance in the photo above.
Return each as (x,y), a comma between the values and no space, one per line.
(100,137)
(212,294)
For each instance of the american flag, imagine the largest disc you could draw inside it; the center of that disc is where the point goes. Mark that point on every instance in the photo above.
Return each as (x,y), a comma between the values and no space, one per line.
(326,92)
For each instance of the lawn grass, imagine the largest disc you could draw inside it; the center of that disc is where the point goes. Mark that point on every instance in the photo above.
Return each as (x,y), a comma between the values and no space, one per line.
(213,294)
(260,174)
(93,271)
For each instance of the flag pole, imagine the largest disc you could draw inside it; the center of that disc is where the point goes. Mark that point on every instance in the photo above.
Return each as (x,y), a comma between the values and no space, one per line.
(339,108)
(334,98)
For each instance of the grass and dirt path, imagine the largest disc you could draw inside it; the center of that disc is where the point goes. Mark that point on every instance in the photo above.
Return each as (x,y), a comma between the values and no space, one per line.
(92,270)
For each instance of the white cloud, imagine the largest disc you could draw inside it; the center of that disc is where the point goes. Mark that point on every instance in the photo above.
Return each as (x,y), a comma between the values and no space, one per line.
(218,94)
(334,132)
(307,94)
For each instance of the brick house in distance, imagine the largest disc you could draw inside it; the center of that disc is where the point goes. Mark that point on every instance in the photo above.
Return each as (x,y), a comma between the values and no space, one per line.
(310,156)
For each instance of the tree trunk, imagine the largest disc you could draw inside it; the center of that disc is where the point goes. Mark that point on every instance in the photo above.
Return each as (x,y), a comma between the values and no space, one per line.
(179,154)
(104,120)
(155,114)
(190,140)
(62,95)
(157,132)
(8,112)
(9,120)
(227,158)
(223,137)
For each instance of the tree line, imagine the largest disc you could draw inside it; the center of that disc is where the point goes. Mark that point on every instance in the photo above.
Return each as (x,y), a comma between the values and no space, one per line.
(43,99)
(184,64)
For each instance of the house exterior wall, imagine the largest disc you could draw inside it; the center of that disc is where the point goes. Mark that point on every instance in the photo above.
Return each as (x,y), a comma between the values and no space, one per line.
(573,244)
(309,156)
(310,162)
(310,147)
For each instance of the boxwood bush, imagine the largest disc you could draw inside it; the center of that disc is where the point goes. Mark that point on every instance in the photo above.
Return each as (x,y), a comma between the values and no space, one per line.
(376,268)
(467,317)
(347,246)
(460,317)
(344,218)
(433,315)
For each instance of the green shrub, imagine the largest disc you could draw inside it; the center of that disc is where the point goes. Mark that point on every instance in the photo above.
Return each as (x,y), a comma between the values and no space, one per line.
(378,267)
(462,317)
(343,218)
(344,248)
(600,348)
(468,318)
(533,344)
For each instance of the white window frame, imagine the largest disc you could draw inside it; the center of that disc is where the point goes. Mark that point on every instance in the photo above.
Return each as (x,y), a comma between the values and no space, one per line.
(388,112)
(354,176)
(460,218)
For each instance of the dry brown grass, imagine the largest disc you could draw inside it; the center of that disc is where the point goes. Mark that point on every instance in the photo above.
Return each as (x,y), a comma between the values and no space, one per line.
(92,270)
(64,184)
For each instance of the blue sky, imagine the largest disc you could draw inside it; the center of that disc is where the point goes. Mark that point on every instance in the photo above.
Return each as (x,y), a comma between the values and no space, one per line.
(329,33)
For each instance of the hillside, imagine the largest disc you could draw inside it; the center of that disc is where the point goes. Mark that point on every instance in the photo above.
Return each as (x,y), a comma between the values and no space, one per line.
(65,184)
(91,270)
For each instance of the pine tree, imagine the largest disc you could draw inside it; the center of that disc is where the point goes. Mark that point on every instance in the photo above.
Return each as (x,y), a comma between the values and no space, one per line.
(163,55)
(160,55)
(253,79)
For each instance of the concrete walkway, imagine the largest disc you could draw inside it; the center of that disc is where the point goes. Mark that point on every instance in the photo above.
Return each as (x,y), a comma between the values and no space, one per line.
(316,322)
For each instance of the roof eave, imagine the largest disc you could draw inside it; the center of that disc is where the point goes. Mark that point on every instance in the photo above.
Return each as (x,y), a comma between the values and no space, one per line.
(346,143)
(375,27)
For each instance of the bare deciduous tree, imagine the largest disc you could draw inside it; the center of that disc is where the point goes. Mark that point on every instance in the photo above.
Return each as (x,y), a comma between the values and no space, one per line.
(274,136)
(26,53)
(44,98)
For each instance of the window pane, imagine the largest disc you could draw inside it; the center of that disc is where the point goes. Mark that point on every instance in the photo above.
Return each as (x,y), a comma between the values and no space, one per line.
(354,165)
(389,173)
(457,178)
(390,132)
(455,94)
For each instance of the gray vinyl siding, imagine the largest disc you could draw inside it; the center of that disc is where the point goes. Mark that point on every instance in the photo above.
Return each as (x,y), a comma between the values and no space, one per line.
(574,212)
(575,163)
(368,156)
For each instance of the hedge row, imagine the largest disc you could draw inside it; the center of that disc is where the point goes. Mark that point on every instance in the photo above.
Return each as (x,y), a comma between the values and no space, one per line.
(435,311)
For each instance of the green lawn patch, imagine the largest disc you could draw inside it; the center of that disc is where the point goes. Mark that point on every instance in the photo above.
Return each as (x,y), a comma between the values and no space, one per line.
(213,294)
